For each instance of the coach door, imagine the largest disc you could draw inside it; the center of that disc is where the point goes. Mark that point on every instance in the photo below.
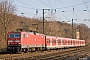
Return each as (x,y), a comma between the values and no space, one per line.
(63,41)
(53,41)
(59,41)
(74,42)
(48,41)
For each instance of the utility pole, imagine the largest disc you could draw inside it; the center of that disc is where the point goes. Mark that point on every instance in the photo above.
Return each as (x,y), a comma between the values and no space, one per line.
(72,28)
(72,23)
(43,19)
(43,27)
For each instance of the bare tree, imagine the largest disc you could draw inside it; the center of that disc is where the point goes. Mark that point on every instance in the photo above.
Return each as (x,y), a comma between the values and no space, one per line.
(6,15)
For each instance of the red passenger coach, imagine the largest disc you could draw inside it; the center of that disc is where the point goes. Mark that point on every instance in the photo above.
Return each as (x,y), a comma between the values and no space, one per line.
(51,42)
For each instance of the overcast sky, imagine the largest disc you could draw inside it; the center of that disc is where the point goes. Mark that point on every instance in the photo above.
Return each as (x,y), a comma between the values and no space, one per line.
(72,9)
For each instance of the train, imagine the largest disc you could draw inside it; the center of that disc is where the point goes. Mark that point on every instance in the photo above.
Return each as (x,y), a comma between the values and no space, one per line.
(31,41)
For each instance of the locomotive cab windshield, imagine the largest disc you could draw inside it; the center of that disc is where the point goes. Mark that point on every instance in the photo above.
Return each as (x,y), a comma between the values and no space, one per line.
(14,35)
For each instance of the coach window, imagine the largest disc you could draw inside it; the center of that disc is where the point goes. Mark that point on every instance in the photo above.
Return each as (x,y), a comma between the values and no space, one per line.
(54,41)
(48,41)
(62,41)
(76,42)
(71,42)
(82,42)
(79,42)
(66,42)
(59,41)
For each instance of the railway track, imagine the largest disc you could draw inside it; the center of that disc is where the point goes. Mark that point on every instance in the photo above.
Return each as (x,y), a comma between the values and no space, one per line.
(60,55)
(65,56)
(10,56)
(55,55)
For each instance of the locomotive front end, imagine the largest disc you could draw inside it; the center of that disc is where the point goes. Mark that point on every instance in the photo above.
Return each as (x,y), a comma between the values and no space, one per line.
(14,41)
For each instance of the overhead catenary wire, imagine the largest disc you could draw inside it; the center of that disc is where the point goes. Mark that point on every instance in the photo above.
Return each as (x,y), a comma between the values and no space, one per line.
(32,3)
(73,5)
(25,13)
(50,3)
(26,7)
(63,15)
(86,6)
(45,4)
(68,8)
(25,4)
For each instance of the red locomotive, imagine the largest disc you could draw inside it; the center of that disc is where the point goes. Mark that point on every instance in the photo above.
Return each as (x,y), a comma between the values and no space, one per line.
(29,41)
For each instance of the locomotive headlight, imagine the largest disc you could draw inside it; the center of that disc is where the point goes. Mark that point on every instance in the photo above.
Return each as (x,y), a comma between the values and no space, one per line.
(8,43)
(17,40)
(10,40)
(19,43)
